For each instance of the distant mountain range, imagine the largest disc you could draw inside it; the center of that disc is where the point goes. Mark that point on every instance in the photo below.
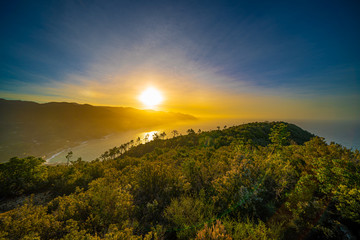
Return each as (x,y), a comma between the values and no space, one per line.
(29,128)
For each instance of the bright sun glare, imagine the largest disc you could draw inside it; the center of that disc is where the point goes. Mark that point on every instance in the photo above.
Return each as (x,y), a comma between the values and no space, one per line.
(151,97)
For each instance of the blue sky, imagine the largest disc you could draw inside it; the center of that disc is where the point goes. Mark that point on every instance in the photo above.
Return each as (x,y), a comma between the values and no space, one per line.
(243,55)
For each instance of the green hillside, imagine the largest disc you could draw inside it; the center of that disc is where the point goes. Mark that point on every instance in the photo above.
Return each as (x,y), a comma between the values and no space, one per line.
(269,180)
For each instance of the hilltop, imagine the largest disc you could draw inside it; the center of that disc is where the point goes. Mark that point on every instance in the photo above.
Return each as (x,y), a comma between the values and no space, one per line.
(270,180)
(29,128)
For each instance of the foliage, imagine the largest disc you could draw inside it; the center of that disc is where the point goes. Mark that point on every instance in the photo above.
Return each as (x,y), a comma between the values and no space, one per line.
(249,229)
(215,232)
(29,222)
(254,181)
(21,175)
(279,135)
(188,214)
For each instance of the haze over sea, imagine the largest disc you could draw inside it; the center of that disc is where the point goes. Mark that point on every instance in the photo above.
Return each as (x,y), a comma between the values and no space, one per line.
(346,133)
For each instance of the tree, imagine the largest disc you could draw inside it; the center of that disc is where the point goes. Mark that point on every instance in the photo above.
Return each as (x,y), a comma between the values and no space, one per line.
(104,155)
(188,214)
(20,175)
(29,222)
(69,156)
(190,131)
(279,135)
(126,145)
(138,141)
(146,138)
(122,148)
(155,136)
(215,232)
(163,135)
(118,151)
(175,133)
(112,152)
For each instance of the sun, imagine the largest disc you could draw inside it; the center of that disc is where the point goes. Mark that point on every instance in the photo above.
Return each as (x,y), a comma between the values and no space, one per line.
(151,97)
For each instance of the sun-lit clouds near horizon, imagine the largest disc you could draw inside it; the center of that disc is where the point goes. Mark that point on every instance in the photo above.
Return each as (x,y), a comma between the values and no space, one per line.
(206,59)
(181,95)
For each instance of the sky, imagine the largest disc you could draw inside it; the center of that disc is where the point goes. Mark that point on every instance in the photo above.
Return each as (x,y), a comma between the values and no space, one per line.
(250,59)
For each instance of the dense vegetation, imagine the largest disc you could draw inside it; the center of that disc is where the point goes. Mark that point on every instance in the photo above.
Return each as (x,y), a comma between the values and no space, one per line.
(254,181)
(29,128)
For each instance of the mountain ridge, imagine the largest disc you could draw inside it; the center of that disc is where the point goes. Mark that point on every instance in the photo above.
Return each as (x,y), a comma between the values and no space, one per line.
(41,128)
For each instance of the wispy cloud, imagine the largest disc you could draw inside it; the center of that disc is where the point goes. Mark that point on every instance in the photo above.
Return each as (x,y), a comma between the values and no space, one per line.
(211,59)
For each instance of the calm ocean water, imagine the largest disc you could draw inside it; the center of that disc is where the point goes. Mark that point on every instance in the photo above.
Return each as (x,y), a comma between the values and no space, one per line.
(346,133)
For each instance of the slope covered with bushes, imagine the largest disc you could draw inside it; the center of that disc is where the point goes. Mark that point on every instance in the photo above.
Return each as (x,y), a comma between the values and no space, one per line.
(254,181)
